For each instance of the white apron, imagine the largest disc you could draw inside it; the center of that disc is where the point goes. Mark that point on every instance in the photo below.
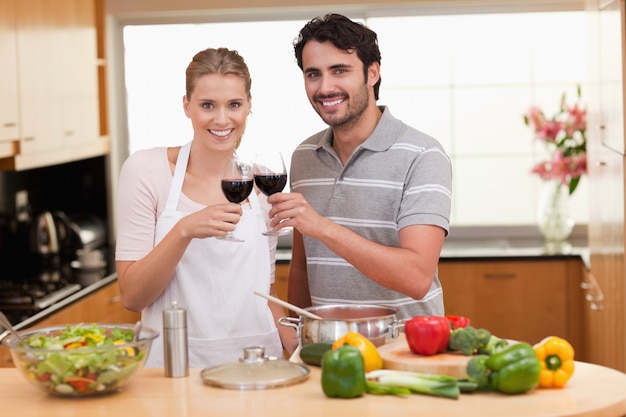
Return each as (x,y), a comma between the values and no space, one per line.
(214,281)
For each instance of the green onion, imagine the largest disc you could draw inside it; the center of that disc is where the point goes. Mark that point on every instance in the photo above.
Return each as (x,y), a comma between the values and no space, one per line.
(419,383)
(374,387)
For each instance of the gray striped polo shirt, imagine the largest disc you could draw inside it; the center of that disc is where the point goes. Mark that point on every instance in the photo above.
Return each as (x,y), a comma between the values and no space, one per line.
(398,177)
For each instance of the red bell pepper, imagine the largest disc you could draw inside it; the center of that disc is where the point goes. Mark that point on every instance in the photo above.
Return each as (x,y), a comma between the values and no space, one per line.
(427,335)
(457,322)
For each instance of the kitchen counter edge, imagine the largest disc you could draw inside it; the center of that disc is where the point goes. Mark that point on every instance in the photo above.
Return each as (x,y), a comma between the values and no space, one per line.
(459,253)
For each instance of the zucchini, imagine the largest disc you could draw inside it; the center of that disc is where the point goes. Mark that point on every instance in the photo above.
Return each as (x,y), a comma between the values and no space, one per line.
(312,353)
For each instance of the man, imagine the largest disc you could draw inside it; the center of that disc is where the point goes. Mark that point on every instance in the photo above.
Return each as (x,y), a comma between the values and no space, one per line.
(371,196)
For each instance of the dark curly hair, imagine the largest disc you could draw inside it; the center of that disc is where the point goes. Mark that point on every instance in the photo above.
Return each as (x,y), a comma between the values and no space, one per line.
(346,35)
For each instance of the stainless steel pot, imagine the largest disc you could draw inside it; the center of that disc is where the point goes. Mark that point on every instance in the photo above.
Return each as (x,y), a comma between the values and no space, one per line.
(377,323)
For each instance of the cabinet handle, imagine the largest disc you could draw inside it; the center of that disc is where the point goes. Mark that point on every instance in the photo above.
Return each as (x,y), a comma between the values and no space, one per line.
(10,124)
(601,127)
(115,299)
(595,295)
(29,138)
(600,164)
(69,133)
(506,275)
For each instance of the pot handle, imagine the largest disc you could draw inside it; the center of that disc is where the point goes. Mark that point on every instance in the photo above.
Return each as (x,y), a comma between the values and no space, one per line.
(397,327)
(290,322)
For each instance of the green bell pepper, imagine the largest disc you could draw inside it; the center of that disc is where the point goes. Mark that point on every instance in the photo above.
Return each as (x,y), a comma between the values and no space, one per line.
(343,373)
(514,370)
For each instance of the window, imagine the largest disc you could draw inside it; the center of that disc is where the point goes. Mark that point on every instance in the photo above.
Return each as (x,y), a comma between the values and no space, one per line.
(466,80)
(156,57)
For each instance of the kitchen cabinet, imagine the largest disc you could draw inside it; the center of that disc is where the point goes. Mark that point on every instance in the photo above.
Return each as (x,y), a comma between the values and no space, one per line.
(281,278)
(54,45)
(102,306)
(610,58)
(605,313)
(8,86)
(601,330)
(519,300)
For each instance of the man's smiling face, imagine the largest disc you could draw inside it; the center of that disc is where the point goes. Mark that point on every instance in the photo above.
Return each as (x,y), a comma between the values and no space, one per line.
(335,83)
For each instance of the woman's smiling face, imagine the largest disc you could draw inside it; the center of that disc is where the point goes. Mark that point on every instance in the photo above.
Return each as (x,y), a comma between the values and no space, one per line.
(218,108)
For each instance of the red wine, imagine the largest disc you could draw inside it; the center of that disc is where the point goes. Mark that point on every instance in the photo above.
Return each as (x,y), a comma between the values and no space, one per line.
(236,190)
(271,183)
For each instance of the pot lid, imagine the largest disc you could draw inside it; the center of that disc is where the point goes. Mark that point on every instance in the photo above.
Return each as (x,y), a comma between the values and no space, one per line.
(255,371)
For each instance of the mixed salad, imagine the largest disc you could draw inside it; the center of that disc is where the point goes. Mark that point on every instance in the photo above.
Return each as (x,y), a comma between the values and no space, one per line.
(82,360)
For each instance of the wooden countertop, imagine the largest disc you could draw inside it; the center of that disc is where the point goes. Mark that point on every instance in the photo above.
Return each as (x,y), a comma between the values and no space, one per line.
(592,391)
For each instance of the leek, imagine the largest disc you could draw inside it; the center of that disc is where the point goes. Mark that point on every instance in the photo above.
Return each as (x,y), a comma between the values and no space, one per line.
(419,383)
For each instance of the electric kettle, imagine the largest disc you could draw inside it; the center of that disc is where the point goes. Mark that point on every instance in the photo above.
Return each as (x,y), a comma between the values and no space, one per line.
(44,238)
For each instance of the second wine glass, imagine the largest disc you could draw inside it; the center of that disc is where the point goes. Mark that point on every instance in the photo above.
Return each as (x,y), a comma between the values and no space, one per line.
(237,184)
(270,175)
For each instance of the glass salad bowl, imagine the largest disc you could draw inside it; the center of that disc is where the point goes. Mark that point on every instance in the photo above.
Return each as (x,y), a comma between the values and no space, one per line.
(79,360)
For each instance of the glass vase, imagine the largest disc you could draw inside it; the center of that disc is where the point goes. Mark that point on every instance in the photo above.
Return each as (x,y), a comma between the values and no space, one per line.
(554,216)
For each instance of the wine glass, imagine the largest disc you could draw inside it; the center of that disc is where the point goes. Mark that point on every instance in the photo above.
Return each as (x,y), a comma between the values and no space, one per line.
(237,183)
(270,175)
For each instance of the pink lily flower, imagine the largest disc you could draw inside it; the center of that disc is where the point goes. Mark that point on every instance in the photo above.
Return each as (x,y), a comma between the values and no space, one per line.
(564,135)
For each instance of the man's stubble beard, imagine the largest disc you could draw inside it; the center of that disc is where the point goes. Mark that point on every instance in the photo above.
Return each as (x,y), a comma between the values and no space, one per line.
(355,109)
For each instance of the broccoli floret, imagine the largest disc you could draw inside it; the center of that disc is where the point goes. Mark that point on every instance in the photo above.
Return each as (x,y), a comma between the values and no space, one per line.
(478,372)
(463,340)
(494,345)
(482,336)
(468,340)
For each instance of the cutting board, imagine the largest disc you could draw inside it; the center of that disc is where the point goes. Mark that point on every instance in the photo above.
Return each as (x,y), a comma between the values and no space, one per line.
(397,355)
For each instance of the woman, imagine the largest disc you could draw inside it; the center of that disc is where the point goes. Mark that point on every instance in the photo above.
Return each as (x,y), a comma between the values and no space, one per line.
(170,209)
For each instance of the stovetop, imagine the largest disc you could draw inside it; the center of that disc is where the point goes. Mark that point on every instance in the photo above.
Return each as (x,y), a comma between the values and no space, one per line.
(28,290)
(33,295)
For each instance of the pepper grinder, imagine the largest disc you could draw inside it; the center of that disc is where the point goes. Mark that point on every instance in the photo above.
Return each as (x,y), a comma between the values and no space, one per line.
(175,341)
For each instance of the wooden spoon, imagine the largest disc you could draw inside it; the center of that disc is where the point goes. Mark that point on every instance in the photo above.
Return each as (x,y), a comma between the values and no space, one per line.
(291,307)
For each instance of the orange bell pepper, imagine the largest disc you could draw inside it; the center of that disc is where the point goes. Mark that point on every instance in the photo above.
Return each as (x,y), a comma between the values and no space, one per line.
(371,356)
(557,361)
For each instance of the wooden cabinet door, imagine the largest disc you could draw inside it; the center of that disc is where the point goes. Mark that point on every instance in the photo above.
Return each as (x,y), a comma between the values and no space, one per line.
(8,80)
(604,327)
(57,61)
(40,73)
(611,68)
(523,300)
(6,361)
(606,244)
(79,83)
(281,279)
(103,306)
(606,240)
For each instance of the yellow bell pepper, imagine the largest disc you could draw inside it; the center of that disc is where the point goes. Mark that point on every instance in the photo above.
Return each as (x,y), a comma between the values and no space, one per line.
(370,354)
(557,361)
